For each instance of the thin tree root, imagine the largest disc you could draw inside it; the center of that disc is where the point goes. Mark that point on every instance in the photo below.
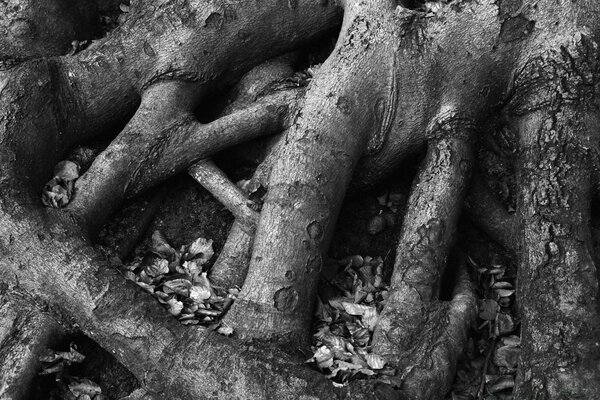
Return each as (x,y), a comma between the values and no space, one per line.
(213,179)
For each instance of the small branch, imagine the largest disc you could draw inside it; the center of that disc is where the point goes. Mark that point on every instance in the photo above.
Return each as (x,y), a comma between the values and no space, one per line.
(213,179)
(486,364)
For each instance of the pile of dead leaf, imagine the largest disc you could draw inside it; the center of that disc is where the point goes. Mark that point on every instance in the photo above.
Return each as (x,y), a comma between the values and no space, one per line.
(489,371)
(347,311)
(69,387)
(178,280)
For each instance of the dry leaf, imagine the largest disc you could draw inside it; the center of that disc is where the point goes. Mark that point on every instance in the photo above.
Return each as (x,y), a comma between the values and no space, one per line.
(375,361)
(355,309)
(370,318)
(201,250)
(323,357)
(201,290)
(158,267)
(161,247)
(225,330)
(504,292)
(83,386)
(66,170)
(488,309)
(175,306)
(178,286)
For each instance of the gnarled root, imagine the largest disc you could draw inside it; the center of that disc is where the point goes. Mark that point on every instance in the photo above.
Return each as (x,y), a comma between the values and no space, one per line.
(558,279)
(416,331)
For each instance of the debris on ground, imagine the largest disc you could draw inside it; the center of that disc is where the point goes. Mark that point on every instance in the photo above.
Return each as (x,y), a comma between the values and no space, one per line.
(347,311)
(69,387)
(178,280)
(488,369)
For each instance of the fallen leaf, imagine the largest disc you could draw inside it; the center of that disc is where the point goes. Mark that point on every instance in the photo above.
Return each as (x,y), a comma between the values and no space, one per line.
(501,383)
(504,323)
(84,386)
(370,318)
(178,286)
(356,309)
(201,250)
(488,309)
(159,266)
(201,290)
(507,357)
(66,170)
(502,285)
(225,330)
(504,292)
(175,306)
(323,357)
(161,247)
(375,361)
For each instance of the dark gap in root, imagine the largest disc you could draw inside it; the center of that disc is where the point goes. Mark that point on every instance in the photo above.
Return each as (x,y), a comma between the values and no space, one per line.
(187,212)
(306,56)
(43,384)
(108,15)
(99,366)
(103,368)
(412,4)
(448,278)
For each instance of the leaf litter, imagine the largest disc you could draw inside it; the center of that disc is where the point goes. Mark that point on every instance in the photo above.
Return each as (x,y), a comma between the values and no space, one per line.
(345,316)
(69,387)
(489,368)
(178,279)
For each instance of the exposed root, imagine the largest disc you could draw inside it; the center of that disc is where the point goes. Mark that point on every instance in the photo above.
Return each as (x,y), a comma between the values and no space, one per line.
(25,333)
(163,139)
(232,197)
(558,287)
(431,362)
(412,314)
(231,267)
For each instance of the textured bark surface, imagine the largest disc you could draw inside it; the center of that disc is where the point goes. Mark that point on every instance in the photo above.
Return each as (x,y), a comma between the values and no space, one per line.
(398,81)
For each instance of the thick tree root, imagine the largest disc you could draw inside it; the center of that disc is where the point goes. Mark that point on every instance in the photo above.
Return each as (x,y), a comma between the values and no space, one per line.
(558,279)
(25,333)
(414,322)
(306,186)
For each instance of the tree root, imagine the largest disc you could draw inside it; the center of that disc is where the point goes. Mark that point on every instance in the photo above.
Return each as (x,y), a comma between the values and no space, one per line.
(558,279)
(25,333)
(414,322)
(232,197)
(160,141)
